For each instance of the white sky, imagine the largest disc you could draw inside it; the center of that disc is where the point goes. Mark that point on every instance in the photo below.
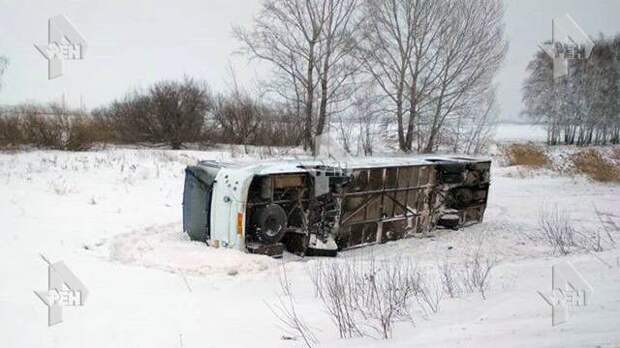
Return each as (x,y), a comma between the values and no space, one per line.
(133,43)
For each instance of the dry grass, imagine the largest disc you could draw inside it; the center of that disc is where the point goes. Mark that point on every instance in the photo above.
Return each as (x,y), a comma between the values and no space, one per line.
(615,153)
(591,163)
(526,155)
(50,127)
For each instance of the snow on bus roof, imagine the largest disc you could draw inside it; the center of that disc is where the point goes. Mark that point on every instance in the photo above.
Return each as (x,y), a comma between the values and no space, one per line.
(297,165)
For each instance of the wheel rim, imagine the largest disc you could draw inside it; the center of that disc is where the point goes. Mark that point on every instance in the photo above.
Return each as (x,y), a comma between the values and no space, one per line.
(272,227)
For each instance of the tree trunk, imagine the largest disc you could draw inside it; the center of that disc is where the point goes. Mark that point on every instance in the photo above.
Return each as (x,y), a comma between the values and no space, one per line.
(399,116)
(412,113)
(308,109)
(324,91)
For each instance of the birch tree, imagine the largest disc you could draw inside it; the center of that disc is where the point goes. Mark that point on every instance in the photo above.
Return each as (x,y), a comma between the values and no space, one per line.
(582,107)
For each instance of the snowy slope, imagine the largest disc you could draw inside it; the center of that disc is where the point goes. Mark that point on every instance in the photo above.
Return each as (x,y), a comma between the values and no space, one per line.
(114,217)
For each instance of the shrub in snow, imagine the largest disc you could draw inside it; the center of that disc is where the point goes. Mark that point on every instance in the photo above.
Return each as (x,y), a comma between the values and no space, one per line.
(557,229)
(366,297)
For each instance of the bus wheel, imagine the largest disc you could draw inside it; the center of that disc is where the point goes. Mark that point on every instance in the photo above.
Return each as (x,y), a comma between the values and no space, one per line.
(271,224)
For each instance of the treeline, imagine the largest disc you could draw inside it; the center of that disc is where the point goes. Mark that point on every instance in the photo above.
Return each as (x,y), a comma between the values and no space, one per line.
(414,73)
(583,107)
(170,113)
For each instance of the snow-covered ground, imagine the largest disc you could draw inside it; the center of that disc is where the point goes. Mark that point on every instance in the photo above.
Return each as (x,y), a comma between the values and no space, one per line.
(114,217)
(520,132)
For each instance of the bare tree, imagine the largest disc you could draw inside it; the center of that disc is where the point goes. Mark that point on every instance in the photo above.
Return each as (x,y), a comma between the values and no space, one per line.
(338,68)
(431,58)
(387,49)
(431,23)
(471,49)
(309,44)
(286,34)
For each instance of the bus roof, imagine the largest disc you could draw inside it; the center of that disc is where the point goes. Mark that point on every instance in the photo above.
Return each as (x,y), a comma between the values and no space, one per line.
(296,165)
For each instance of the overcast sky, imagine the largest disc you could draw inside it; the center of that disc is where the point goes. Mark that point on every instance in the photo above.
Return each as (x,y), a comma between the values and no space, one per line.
(133,43)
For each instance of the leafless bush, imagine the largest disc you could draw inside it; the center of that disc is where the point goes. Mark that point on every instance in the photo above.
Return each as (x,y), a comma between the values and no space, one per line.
(334,285)
(449,279)
(127,119)
(243,119)
(387,293)
(239,116)
(361,295)
(608,225)
(280,127)
(286,312)
(169,113)
(51,126)
(476,273)
(179,109)
(367,296)
(594,241)
(428,291)
(557,229)
(10,131)
(81,132)
(40,127)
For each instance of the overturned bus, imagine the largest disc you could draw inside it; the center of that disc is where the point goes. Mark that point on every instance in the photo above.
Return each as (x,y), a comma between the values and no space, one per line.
(319,208)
